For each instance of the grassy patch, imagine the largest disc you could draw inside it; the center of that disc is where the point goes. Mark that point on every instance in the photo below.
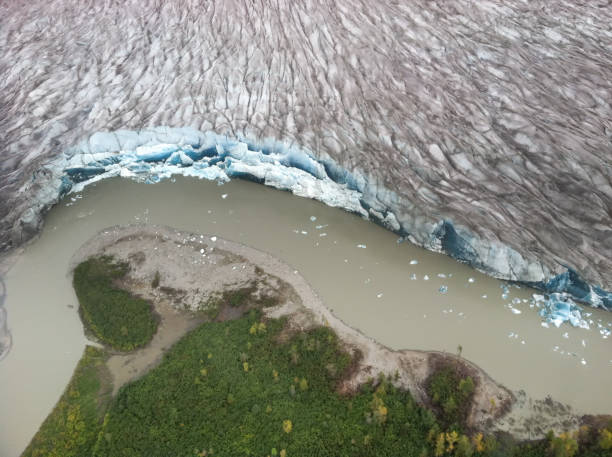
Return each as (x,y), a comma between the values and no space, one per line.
(114,316)
(71,429)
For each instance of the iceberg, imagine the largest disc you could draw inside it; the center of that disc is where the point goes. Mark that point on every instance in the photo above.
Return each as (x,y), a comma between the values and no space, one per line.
(559,308)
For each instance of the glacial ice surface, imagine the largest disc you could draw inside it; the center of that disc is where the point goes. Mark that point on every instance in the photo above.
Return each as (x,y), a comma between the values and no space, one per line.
(159,153)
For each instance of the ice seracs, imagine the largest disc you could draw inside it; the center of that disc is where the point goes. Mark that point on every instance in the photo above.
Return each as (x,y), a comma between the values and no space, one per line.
(151,155)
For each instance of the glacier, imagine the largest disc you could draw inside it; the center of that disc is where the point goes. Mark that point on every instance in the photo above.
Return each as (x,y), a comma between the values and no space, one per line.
(480,129)
(154,154)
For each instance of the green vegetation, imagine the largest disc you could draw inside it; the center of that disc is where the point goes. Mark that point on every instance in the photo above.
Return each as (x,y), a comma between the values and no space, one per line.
(234,388)
(113,315)
(155,281)
(254,387)
(451,394)
(71,429)
(248,387)
(237,300)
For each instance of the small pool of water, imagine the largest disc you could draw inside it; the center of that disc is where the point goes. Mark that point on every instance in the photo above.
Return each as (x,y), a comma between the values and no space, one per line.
(358,268)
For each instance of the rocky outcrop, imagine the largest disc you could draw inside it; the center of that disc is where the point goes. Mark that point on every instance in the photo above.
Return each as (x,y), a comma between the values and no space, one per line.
(480,129)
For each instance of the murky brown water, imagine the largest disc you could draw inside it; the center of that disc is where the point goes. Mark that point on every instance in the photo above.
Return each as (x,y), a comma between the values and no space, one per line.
(369,288)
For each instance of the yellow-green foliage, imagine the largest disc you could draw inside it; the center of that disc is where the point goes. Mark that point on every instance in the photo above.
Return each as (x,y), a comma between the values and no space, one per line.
(605,440)
(72,427)
(113,315)
(282,401)
(452,395)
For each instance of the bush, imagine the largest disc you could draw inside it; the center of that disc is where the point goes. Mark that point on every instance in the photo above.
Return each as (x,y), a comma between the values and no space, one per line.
(175,408)
(452,395)
(72,427)
(112,315)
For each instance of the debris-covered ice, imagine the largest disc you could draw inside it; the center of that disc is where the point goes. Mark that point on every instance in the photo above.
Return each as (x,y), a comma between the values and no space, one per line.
(413,277)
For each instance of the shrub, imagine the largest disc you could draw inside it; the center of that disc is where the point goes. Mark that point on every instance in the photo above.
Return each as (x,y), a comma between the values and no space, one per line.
(452,395)
(114,316)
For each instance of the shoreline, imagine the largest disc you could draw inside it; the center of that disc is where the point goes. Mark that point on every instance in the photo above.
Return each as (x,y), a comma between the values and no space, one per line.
(235,264)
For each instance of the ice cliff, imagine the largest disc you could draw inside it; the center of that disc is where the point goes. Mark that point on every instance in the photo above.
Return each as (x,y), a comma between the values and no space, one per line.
(481,129)
(158,153)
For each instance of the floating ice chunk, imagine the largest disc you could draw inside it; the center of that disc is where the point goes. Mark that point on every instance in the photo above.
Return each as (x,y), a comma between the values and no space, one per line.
(505,295)
(425,278)
(304,232)
(379,295)
(515,311)
(538,297)
(583,362)
(441,275)
(523,342)
(558,309)
(413,277)
(544,324)
(484,296)
(213,238)
(224,196)
(516,301)
(443,289)
(471,280)
(414,262)
(313,218)
(583,343)
(319,227)
(322,234)
(556,348)
(361,246)
(201,251)
(565,335)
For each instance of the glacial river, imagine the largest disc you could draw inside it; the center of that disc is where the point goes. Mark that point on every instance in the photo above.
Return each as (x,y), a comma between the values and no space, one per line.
(392,292)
